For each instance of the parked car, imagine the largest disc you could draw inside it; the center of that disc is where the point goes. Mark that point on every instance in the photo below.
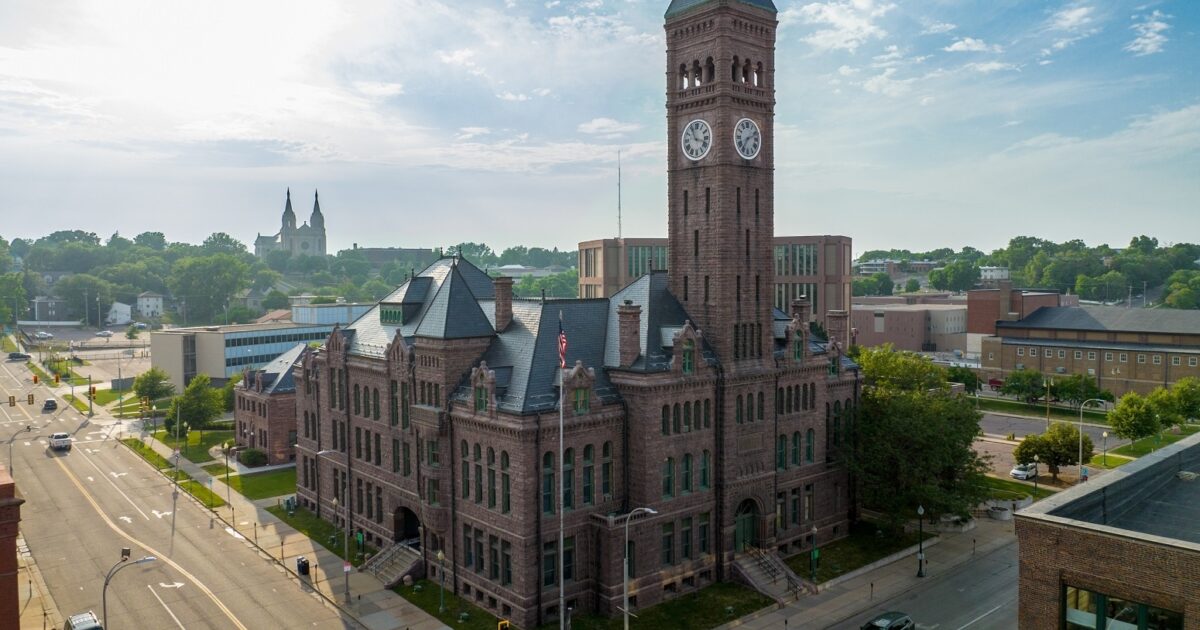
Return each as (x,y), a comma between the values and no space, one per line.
(50,405)
(41,334)
(1024,472)
(890,621)
(18,356)
(60,441)
(141,325)
(83,621)
(104,333)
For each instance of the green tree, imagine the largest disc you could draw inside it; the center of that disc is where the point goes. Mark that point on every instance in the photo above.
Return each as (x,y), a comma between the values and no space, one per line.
(278,260)
(222,243)
(913,439)
(228,395)
(87,296)
(197,406)
(864,286)
(275,300)
(154,384)
(1166,408)
(966,376)
(1057,447)
(205,284)
(1026,384)
(153,240)
(12,297)
(1134,417)
(1077,388)
(912,285)
(883,283)
(1187,397)
(265,279)
(131,332)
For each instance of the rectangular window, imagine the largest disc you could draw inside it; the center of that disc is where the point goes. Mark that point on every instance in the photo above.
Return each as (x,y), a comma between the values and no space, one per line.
(431,458)
(479,560)
(1078,354)
(550,564)
(378,449)
(1020,352)
(358,442)
(568,558)
(685,539)
(431,492)
(1108,356)
(1191,361)
(1033,352)
(668,544)
(368,446)
(407,461)
(1124,357)
(581,400)
(1141,358)
(468,556)
(505,563)
(494,558)
(1091,356)
(395,456)
(1062,354)
(707,199)
(702,533)
(1156,359)
(809,502)
(795,520)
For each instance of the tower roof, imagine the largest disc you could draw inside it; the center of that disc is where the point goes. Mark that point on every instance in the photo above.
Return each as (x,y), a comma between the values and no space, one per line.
(316,204)
(679,6)
(287,209)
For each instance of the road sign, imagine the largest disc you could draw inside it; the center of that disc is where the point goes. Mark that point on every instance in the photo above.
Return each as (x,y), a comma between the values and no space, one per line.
(346,567)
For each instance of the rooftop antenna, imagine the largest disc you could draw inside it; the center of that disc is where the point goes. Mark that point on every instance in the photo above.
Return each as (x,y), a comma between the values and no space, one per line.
(619,233)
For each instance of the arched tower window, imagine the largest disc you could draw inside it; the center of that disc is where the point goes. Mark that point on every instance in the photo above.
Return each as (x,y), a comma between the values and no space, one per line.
(710,70)
(746,68)
(758,75)
(683,76)
(697,76)
(736,70)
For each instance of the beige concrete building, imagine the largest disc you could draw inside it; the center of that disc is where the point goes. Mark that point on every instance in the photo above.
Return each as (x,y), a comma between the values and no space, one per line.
(914,327)
(223,351)
(812,267)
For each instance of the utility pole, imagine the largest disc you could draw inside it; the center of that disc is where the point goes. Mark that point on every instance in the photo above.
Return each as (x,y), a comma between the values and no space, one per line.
(1144,294)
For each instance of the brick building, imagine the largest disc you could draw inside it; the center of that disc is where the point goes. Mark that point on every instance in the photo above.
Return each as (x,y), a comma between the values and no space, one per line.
(816,268)
(1121,551)
(1125,349)
(436,414)
(914,327)
(985,307)
(264,410)
(10,517)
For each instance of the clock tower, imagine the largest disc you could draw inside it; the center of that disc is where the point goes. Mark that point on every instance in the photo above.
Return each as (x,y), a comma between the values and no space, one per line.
(720,172)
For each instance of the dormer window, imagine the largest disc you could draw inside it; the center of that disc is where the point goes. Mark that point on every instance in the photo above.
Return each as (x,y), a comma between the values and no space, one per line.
(393,314)
(581,400)
(689,356)
(481,398)
(798,347)
(833,366)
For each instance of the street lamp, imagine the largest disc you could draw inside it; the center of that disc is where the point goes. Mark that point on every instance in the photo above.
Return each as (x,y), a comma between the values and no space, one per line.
(813,556)
(346,535)
(920,541)
(113,571)
(1105,434)
(441,556)
(1082,470)
(12,439)
(625,579)
(1035,475)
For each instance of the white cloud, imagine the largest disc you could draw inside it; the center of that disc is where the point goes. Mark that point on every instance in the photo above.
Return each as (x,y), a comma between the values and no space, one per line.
(847,24)
(466,133)
(936,28)
(462,58)
(891,56)
(377,88)
(1072,18)
(1011,123)
(988,67)
(541,91)
(552,4)
(970,44)
(607,127)
(1150,34)
(512,97)
(886,85)
(847,71)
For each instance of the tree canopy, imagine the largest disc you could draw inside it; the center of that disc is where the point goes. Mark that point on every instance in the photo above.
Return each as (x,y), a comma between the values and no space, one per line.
(1057,447)
(153,384)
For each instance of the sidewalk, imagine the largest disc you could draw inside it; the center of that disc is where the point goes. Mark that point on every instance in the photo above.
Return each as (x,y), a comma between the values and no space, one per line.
(372,606)
(833,606)
(38,609)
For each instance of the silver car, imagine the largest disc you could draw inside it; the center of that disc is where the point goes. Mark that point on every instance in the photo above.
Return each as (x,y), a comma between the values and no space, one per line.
(1024,472)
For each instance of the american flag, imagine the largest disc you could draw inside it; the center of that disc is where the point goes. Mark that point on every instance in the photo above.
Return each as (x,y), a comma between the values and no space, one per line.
(562,344)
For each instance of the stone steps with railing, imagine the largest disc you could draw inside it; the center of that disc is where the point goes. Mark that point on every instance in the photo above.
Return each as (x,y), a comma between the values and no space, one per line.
(769,575)
(390,564)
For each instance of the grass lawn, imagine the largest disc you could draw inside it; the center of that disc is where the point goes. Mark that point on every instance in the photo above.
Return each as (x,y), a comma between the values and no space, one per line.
(1059,413)
(319,531)
(1109,461)
(866,543)
(701,610)
(1014,487)
(7,345)
(201,492)
(425,594)
(41,374)
(1147,445)
(217,470)
(195,450)
(147,453)
(265,484)
(78,403)
(105,396)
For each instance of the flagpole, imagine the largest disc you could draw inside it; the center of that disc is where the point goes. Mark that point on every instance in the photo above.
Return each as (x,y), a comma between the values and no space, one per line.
(562,397)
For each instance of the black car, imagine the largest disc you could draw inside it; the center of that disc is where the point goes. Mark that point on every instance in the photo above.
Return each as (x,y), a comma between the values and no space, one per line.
(50,405)
(15,356)
(890,621)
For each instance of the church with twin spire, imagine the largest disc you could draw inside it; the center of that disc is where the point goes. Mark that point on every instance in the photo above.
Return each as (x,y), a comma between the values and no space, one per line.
(306,240)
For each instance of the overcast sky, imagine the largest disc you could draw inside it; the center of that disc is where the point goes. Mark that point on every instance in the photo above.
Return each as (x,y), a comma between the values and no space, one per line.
(912,124)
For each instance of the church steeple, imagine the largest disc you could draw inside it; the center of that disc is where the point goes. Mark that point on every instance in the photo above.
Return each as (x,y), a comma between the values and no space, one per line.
(317,220)
(289,217)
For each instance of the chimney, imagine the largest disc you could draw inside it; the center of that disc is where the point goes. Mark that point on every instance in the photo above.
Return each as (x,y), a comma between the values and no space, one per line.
(629,318)
(802,310)
(503,285)
(835,325)
(1005,299)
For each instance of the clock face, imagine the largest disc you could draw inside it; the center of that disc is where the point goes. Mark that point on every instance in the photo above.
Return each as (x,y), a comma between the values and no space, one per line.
(697,139)
(747,138)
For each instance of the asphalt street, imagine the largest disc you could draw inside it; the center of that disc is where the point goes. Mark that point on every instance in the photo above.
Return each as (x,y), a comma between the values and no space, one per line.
(83,506)
(980,595)
(1020,426)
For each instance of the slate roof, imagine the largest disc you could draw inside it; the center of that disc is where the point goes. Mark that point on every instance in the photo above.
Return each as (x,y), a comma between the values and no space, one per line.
(660,310)
(1110,318)
(277,375)
(454,312)
(679,6)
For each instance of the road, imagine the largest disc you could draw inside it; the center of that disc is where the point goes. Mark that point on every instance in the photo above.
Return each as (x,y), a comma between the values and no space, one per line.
(980,595)
(995,424)
(83,506)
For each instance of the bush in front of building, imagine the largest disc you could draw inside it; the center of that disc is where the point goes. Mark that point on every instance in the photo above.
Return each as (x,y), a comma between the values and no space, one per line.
(252,457)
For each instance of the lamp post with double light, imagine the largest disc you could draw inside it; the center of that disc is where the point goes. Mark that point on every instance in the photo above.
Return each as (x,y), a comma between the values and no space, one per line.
(1105,436)
(920,541)
(121,564)
(625,578)
(1035,474)
(814,556)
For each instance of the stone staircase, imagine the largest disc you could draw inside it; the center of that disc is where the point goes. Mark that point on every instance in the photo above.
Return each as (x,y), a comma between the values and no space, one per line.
(390,564)
(769,575)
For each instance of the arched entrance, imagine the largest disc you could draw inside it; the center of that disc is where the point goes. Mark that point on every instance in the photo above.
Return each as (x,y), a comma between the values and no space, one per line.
(406,527)
(745,522)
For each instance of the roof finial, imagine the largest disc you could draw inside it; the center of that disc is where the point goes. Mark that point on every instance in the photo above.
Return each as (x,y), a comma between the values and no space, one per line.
(289,192)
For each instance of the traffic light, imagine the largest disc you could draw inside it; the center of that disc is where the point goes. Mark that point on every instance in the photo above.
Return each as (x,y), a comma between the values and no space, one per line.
(92,392)
(502,624)
(57,378)
(30,399)
(35,379)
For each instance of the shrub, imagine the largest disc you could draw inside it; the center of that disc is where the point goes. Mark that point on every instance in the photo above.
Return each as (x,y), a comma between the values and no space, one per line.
(252,457)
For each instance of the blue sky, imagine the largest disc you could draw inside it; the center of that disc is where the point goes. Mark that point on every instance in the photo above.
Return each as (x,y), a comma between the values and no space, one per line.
(423,123)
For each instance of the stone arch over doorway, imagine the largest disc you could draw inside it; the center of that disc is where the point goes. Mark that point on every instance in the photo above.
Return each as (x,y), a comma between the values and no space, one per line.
(406,527)
(746,525)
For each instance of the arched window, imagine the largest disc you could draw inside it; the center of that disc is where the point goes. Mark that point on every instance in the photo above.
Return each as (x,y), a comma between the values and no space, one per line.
(465,453)
(569,479)
(759,77)
(666,420)
(796,448)
(736,71)
(689,356)
(760,406)
(737,413)
(589,467)
(686,475)
(683,77)
(798,347)
(491,478)
(697,74)
(705,480)
(789,400)
(746,72)
(710,70)
(478,474)
(375,404)
(778,400)
(505,484)
(781,452)
(799,397)
(675,419)
(696,415)
(548,483)
(357,404)
(687,417)
(606,471)
(707,415)
(668,478)
(837,422)
(809,446)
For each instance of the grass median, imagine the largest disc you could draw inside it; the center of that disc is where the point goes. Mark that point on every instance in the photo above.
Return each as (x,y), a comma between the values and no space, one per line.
(264,485)
(1011,488)
(321,532)
(1150,444)
(866,543)
(709,607)
(1039,411)
(195,447)
(186,483)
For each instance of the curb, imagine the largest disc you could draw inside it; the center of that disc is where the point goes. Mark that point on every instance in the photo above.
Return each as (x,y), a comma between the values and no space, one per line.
(886,560)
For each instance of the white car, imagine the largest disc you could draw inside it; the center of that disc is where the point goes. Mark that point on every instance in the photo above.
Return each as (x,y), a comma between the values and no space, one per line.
(41,334)
(60,441)
(1024,472)
(104,333)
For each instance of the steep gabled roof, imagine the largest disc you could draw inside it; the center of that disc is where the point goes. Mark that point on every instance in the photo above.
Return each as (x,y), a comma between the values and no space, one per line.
(277,375)
(660,311)
(454,312)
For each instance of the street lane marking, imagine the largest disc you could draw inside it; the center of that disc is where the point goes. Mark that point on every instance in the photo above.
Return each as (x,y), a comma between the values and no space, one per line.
(171,585)
(126,519)
(160,514)
(137,543)
(164,604)
(110,482)
(233,532)
(117,475)
(981,616)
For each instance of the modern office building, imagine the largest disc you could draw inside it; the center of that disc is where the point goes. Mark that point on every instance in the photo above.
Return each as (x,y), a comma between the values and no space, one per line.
(1124,349)
(224,351)
(816,268)
(1119,552)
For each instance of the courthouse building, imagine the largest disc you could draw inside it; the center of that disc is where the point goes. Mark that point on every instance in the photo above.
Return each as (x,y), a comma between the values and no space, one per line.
(436,414)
